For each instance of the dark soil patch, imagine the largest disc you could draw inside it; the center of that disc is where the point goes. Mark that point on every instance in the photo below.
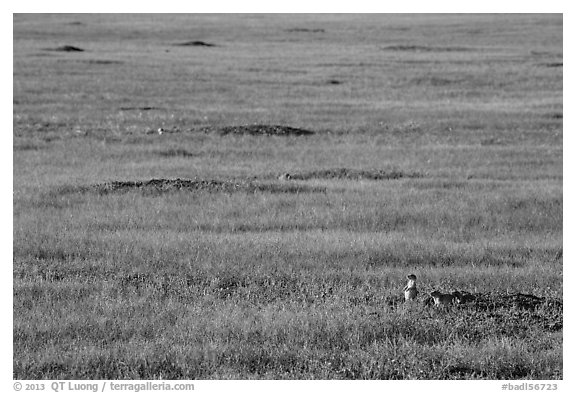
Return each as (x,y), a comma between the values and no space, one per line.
(351,174)
(268,130)
(66,48)
(161,186)
(553,65)
(305,30)
(422,48)
(557,116)
(334,82)
(195,43)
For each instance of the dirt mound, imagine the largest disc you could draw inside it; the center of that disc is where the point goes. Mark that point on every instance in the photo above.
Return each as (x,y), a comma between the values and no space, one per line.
(195,43)
(487,301)
(260,129)
(350,174)
(507,311)
(66,48)
(256,129)
(492,301)
(544,312)
(161,186)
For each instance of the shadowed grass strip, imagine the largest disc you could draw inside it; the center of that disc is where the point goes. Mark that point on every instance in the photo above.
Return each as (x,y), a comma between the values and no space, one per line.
(264,129)
(159,186)
(354,174)
(423,48)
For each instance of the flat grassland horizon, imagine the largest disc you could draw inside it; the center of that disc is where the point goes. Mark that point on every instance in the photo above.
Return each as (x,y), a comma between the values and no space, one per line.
(153,238)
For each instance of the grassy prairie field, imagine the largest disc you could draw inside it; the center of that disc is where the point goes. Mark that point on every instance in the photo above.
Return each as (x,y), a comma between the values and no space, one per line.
(436,149)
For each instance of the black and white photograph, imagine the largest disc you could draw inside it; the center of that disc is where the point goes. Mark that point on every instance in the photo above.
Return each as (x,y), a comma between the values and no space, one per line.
(287,196)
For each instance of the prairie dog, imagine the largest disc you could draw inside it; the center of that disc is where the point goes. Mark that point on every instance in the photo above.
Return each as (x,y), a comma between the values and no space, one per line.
(410,291)
(442,299)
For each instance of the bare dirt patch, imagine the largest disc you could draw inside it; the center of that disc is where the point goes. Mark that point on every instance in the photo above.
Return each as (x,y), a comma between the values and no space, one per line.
(350,174)
(139,108)
(66,48)
(195,43)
